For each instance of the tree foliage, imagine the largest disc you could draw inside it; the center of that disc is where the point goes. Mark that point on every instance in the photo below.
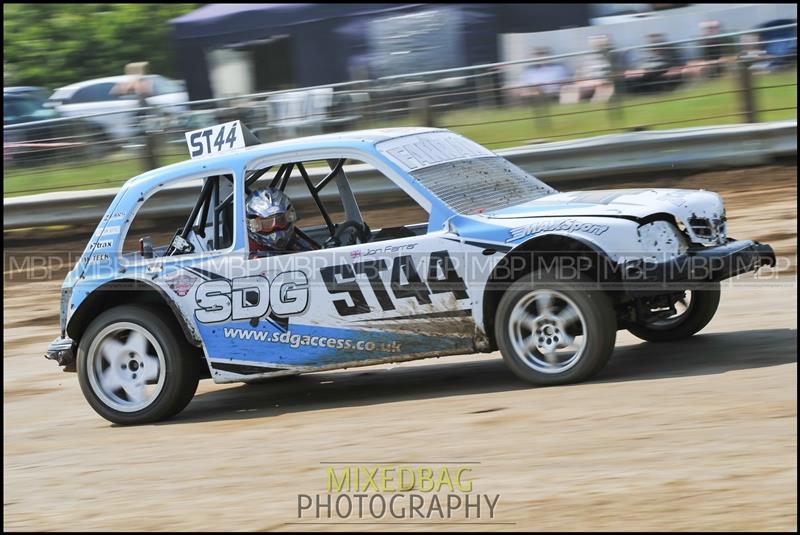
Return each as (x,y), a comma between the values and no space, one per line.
(52,45)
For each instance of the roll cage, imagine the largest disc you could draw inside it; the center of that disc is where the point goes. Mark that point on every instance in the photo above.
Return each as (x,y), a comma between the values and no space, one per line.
(222,213)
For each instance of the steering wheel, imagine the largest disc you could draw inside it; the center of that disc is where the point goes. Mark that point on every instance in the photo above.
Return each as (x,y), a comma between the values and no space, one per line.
(348,233)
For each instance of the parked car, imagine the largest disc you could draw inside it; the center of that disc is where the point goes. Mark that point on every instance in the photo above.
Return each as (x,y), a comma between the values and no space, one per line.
(503,261)
(19,108)
(39,93)
(103,95)
(43,135)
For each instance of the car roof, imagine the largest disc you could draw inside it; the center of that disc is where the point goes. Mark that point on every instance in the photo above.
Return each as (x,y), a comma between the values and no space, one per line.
(322,141)
(22,89)
(372,135)
(107,79)
(18,97)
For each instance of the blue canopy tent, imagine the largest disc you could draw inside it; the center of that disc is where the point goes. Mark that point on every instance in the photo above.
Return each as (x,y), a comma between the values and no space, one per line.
(326,40)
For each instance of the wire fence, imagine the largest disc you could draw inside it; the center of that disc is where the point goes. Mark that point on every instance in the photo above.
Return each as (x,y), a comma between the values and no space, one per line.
(735,77)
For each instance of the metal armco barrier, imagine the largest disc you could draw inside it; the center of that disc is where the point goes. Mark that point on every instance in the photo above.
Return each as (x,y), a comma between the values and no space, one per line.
(635,152)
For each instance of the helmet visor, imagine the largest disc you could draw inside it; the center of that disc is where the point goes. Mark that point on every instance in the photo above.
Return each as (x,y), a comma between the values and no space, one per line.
(268,224)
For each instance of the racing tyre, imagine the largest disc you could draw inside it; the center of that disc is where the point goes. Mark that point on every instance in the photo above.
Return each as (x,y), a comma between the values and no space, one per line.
(693,312)
(135,366)
(551,333)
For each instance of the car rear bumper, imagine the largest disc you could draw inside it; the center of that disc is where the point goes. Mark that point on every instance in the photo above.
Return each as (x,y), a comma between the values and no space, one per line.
(696,267)
(62,350)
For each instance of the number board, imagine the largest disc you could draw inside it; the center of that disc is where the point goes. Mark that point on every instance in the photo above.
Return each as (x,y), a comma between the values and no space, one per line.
(216,139)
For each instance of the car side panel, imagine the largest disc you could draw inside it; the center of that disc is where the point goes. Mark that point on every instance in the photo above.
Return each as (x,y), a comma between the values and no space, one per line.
(388,301)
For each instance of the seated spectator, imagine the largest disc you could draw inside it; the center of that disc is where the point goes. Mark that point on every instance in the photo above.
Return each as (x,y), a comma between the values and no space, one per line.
(543,79)
(769,50)
(595,76)
(754,54)
(779,40)
(716,53)
(659,68)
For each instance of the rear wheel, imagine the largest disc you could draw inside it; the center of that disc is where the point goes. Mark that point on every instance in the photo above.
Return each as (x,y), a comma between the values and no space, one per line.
(135,366)
(550,333)
(693,312)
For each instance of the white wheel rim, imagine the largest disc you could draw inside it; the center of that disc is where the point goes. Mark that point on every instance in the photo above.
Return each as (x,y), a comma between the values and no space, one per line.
(126,367)
(548,331)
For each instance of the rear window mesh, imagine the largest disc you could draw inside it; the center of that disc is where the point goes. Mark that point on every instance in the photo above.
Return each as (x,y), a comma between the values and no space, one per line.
(481,184)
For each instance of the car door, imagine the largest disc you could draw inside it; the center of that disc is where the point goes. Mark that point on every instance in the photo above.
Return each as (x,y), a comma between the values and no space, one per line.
(389,300)
(96,99)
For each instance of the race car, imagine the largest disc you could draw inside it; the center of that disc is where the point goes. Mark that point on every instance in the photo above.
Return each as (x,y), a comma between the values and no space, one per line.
(502,262)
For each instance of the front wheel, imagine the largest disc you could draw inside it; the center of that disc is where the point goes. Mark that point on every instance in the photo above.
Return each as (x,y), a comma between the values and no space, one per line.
(135,366)
(551,333)
(692,312)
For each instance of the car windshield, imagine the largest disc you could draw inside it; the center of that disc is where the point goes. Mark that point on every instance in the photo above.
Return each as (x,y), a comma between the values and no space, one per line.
(478,185)
(16,109)
(468,177)
(62,94)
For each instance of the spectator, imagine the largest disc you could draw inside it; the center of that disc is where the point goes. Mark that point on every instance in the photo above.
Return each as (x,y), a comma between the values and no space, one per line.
(716,52)
(595,76)
(543,80)
(779,42)
(754,54)
(142,87)
(136,83)
(770,50)
(660,66)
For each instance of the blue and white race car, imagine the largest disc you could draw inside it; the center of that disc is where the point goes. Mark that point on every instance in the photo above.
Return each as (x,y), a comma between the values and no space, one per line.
(503,261)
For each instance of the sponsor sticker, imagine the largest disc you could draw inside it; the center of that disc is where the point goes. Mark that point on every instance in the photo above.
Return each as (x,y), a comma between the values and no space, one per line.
(430,148)
(108,231)
(115,215)
(254,296)
(568,225)
(181,284)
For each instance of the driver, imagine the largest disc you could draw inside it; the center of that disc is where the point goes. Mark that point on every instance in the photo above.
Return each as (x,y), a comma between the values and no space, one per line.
(270,224)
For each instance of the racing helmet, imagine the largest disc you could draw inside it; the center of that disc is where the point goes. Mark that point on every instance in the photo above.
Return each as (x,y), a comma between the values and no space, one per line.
(270,218)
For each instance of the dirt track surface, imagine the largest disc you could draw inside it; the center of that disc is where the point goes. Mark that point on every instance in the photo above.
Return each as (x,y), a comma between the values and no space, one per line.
(692,435)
